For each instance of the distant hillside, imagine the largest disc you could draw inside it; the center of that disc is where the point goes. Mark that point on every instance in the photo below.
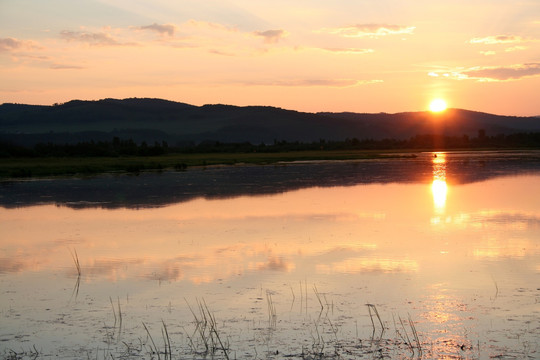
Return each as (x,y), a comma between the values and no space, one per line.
(161,120)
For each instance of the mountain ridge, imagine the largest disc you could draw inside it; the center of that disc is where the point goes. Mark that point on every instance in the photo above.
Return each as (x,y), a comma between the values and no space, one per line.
(152,119)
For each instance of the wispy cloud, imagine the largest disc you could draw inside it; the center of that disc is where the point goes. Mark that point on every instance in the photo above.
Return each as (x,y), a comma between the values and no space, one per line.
(348,50)
(488,53)
(11,44)
(491,73)
(65,67)
(220,39)
(369,30)
(195,25)
(499,39)
(221,53)
(163,29)
(91,38)
(339,83)
(503,73)
(516,48)
(8,44)
(271,36)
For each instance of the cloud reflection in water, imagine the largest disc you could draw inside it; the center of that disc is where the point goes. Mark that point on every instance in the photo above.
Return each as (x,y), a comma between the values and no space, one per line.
(364,265)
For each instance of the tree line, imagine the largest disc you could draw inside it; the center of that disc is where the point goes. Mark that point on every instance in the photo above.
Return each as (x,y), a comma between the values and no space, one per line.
(119,147)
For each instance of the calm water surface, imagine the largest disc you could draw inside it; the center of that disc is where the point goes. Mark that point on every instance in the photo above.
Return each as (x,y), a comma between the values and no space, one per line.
(444,248)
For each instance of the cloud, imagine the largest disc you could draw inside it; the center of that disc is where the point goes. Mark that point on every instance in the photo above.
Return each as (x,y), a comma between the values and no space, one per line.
(271,36)
(65,67)
(94,39)
(8,44)
(161,29)
(222,53)
(348,50)
(12,44)
(498,39)
(488,53)
(340,83)
(491,73)
(206,25)
(371,30)
(516,48)
(503,73)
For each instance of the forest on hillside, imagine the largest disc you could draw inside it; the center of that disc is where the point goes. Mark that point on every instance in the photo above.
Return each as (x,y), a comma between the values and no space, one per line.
(120,147)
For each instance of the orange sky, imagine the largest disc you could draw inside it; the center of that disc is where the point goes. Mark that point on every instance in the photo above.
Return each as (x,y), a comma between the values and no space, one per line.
(316,55)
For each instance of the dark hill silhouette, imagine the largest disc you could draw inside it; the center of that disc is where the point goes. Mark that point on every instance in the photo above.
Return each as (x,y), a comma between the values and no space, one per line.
(161,120)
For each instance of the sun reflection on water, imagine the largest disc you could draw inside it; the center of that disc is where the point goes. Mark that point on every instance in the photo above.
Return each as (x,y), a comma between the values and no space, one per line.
(453,323)
(439,188)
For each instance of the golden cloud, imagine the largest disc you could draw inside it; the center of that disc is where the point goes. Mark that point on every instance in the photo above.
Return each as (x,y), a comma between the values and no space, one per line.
(315,82)
(369,30)
(503,73)
(491,73)
(498,39)
(349,50)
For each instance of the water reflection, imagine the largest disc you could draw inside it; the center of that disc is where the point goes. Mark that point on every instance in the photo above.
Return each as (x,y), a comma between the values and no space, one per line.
(453,322)
(363,265)
(161,189)
(356,244)
(439,188)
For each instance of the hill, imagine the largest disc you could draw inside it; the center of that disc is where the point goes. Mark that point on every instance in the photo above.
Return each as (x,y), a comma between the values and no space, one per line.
(143,119)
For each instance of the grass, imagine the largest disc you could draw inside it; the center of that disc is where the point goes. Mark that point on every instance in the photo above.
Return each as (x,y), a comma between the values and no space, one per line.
(372,309)
(75,257)
(76,261)
(316,338)
(80,166)
(415,342)
(272,315)
(206,328)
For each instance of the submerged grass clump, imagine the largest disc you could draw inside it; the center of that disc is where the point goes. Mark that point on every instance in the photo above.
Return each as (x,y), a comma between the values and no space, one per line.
(312,332)
(206,331)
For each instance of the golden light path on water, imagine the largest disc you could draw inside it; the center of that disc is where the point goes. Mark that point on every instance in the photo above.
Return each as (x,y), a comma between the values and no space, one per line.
(439,188)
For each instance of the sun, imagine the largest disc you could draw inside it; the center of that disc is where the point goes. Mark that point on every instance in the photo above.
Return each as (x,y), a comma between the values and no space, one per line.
(437,105)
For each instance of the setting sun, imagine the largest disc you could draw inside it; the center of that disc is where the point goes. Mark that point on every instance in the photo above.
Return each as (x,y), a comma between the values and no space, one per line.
(437,105)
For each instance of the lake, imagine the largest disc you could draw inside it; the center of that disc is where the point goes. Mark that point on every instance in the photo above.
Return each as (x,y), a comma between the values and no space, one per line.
(436,256)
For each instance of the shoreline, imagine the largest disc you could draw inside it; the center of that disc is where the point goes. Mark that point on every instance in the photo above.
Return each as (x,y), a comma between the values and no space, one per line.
(20,168)
(24,168)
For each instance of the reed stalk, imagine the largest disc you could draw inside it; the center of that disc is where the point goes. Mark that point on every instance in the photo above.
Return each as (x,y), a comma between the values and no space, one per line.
(373,310)
(76,261)
(272,316)
(155,349)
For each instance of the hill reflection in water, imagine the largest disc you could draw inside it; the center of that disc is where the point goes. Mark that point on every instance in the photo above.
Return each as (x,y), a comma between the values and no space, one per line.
(161,189)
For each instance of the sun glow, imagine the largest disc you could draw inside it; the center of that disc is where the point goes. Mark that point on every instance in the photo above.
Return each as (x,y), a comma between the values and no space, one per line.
(437,105)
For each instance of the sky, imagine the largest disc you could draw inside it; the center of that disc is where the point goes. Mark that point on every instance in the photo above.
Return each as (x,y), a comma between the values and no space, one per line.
(364,56)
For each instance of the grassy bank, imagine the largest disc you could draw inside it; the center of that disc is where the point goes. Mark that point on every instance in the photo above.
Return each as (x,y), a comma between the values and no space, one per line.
(32,167)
